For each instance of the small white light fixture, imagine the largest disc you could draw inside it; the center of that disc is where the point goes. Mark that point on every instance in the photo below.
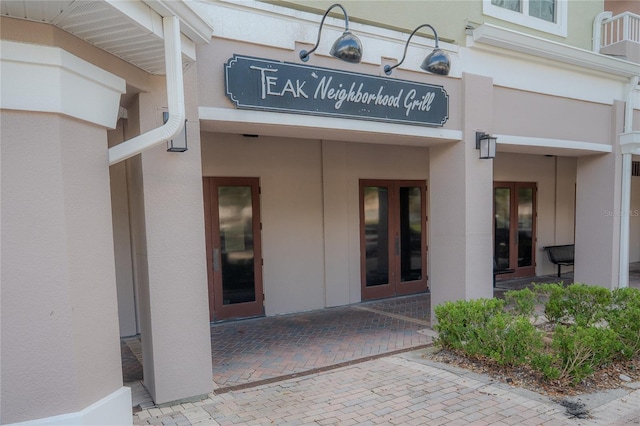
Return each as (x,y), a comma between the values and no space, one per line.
(486,144)
(179,144)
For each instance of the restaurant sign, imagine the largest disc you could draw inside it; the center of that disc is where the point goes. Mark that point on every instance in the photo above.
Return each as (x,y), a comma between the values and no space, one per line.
(263,84)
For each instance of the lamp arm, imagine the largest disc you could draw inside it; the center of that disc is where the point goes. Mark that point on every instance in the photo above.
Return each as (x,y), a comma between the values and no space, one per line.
(388,69)
(305,54)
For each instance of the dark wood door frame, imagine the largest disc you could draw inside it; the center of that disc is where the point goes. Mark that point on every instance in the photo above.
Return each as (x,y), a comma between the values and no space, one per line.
(396,286)
(524,271)
(217,309)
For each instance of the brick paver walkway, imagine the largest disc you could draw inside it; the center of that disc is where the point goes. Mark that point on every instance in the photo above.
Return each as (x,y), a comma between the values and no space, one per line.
(402,389)
(357,364)
(264,348)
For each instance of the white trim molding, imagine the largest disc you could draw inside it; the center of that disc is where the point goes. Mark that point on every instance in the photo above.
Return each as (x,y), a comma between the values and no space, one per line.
(630,143)
(326,128)
(113,409)
(50,79)
(524,43)
(511,143)
(559,27)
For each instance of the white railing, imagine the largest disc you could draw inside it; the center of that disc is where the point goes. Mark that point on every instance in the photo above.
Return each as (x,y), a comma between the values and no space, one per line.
(623,27)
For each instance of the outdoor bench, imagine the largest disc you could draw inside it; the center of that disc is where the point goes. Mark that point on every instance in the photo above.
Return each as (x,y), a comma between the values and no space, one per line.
(561,255)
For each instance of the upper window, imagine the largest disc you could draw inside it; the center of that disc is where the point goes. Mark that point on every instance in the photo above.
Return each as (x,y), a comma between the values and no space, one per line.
(545,15)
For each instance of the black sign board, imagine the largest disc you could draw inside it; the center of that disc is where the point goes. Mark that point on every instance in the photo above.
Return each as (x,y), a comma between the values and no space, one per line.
(263,84)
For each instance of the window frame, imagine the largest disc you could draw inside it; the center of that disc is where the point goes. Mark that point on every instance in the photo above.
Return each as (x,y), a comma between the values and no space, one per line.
(523,18)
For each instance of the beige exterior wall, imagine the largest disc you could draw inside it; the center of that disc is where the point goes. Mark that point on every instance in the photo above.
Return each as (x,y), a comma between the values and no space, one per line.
(460,211)
(127,297)
(310,209)
(291,203)
(167,240)
(60,350)
(555,178)
(598,195)
(521,113)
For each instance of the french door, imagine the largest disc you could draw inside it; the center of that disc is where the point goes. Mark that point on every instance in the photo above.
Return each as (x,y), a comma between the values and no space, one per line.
(515,227)
(393,240)
(234,257)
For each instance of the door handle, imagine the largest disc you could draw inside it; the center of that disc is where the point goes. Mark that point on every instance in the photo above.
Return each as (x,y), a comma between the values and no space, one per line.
(216,260)
(397,245)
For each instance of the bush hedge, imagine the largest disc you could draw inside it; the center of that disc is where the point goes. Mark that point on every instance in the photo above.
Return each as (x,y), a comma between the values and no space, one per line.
(584,328)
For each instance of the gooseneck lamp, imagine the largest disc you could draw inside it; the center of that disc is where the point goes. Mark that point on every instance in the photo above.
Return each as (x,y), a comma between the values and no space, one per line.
(437,62)
(347,47)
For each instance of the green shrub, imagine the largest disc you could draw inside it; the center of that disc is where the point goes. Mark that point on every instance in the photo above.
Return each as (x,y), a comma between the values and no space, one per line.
(551,295)
(624,319)
(521,302)
(581,349)
(459,321)
(577,303)
(593,327)
(482,328)
(508,340)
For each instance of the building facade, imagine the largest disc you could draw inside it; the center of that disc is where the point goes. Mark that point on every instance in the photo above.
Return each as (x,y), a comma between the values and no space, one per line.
(304,184)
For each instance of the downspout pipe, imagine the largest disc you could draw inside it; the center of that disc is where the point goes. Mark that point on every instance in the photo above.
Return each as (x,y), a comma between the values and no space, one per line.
(625,199)
(175,99)
(597,30)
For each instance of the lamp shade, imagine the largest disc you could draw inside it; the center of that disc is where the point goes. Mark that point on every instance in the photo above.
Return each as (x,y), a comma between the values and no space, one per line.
(437,62)
(347,48)
(486,144)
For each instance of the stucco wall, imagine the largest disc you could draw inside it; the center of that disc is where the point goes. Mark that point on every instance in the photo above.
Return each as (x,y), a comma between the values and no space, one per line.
(291,203)
(60,349)
(523,113)
(310,214)
(556,179)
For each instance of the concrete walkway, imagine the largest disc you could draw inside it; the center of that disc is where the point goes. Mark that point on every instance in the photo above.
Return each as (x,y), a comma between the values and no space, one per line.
(359,364)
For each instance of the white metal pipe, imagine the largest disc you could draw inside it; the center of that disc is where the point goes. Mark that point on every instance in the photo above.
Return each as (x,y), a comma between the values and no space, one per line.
(597,30)
(175,99)
(625,199)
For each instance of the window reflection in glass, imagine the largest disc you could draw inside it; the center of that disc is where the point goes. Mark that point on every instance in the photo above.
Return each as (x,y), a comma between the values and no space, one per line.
(508,4)
(543,9)
(502,227)
(376,229)
(525,226)
(235,211)
(410,234)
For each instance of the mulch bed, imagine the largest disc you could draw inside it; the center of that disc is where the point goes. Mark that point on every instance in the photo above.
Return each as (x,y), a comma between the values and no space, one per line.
(611,376)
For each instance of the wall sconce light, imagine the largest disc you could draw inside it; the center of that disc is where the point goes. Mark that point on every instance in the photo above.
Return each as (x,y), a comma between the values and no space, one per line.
(437,62)
(486,144)
(180,143)
(347,47)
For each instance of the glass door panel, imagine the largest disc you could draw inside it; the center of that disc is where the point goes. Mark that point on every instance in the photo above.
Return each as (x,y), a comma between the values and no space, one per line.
(525,227)
(393,238)
(235,213)
(376,229)
(502,229)
(232,221)
(514,227)
(410,234)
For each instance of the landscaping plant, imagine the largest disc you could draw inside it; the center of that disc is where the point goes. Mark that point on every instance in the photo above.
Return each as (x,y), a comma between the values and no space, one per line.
(586,327)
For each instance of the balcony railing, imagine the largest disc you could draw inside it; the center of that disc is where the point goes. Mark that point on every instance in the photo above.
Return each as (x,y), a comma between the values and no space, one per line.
(620,28)
(617,36)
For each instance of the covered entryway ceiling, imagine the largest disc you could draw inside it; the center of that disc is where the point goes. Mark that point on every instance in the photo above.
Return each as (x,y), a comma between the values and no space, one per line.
(129,30)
